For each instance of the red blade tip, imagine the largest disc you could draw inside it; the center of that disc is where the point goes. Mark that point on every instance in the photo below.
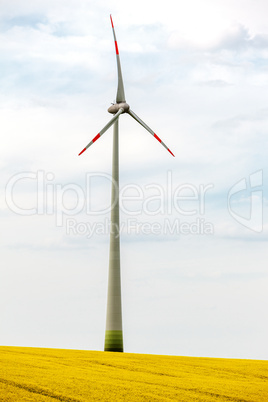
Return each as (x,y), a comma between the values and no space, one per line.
(156,136)
(111,20)
(171,153)
(82,151)
(95,138)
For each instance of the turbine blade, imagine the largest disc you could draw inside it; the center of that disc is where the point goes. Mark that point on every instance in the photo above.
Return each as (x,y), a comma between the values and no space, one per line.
(148,129)
(120,96)
(111,122)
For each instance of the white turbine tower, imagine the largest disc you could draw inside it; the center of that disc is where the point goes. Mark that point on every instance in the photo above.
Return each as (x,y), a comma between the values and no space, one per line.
(114,332)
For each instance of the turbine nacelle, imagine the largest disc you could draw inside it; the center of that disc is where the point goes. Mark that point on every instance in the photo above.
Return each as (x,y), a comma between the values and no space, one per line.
(116,106)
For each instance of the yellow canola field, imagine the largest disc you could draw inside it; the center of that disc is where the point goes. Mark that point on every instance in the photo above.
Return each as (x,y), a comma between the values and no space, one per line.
(38,374)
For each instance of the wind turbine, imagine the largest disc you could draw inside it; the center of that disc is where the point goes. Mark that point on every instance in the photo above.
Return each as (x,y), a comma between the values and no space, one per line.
(114,332)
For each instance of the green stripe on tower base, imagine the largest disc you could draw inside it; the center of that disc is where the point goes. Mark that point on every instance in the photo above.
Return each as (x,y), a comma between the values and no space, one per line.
(113,341)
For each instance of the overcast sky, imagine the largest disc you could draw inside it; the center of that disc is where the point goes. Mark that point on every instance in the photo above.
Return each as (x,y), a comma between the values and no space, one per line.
(194,227)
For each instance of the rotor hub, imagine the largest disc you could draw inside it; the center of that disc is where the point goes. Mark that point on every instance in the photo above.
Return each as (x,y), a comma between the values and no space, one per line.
(116,106)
